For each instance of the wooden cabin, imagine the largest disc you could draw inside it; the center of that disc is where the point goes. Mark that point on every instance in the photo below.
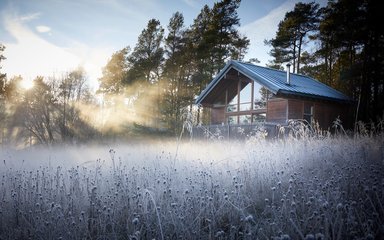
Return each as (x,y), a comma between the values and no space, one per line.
(246,94)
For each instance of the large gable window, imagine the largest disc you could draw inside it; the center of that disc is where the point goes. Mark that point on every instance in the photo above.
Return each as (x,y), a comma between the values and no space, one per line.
(245,97)
(233,105)
(251,96)
(243,100)
(249,105)
(260,96)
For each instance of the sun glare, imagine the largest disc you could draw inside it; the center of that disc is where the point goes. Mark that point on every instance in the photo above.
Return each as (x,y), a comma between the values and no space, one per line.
(26,84)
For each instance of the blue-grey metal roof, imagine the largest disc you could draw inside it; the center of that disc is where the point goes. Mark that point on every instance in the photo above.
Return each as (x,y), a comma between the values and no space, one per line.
(275,81)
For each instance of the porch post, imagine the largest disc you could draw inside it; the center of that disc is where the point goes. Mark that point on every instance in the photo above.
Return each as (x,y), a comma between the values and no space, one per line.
(226,106)
(238,99)
(252,98)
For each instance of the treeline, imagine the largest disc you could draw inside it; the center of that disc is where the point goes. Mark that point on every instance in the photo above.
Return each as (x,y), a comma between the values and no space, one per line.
(145,90)
(163,73)
(47,113)
(341,45)
(149,89)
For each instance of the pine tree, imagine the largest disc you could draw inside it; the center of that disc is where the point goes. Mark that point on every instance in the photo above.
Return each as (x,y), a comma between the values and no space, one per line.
(144,70)
(2,75)
(147,56)
(3,114)
(353,49)
(215,39)
(293,32)
(175,73)
(114,73)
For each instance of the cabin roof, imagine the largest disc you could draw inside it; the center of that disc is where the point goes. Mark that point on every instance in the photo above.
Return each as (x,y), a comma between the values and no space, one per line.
(275,81)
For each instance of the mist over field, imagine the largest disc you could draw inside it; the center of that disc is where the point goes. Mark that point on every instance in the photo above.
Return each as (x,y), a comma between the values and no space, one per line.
(310,188)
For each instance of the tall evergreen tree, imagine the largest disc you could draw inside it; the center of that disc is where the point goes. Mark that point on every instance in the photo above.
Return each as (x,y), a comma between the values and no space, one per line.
(227,42)
(293,32)
(175,73)
(202,44)
(360,47)
(114,73)
(215,40)
(147,56)
(373,38)
(144,69)
(3,114)
(2,75)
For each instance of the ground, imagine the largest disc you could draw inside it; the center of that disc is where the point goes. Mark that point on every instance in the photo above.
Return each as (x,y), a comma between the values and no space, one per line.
(310,188)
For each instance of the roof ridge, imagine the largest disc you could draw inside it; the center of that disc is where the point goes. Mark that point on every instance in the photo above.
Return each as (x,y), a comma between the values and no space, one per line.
(270,68)
(261,76)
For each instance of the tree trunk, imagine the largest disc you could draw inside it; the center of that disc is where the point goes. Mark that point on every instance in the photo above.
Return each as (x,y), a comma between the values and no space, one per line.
(294,57)
(299,53)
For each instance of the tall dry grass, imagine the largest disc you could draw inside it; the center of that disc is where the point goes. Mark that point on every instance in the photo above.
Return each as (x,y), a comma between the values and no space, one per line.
(302,186)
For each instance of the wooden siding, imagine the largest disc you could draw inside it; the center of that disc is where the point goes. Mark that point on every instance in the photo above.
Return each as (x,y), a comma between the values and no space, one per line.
(218,115)
(295,109)
(322,115)
(277,110)
(280,110)
(326,113)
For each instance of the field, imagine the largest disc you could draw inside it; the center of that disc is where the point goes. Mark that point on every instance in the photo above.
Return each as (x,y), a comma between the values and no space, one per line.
(295,188)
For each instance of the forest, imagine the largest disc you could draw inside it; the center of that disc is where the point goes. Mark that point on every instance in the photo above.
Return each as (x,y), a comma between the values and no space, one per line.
(149,89)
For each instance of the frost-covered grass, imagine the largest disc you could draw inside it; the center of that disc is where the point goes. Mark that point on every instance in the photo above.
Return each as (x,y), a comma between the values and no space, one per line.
(329,188)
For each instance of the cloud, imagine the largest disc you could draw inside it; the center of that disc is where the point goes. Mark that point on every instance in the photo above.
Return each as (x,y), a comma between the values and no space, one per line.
(265,28)
(30,17)
(191,3)
(43,29)
(32,56)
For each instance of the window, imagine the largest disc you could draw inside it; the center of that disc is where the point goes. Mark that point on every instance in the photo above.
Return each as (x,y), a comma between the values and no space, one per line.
(232,108)
(245,119)
(308,112)
(258,117)
(249,105)
(260,96)
(245,96)
(232,120)
(232,105)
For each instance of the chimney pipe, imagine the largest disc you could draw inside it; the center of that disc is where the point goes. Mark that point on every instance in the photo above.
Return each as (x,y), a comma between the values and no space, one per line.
(288,74)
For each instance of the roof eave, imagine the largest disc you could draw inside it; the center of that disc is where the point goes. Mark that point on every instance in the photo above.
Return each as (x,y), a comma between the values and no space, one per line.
(235,65)
(248,73)
(212,84)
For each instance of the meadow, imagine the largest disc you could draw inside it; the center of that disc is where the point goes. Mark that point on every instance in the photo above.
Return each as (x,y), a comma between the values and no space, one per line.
(327,187)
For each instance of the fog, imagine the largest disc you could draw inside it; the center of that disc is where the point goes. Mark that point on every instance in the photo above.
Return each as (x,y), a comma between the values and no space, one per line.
(287,188)
(144,152)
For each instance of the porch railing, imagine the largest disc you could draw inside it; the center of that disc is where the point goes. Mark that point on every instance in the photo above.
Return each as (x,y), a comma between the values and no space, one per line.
(236,131)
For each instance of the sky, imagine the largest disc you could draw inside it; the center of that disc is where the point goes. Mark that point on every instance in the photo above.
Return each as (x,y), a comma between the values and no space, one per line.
(52,37)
